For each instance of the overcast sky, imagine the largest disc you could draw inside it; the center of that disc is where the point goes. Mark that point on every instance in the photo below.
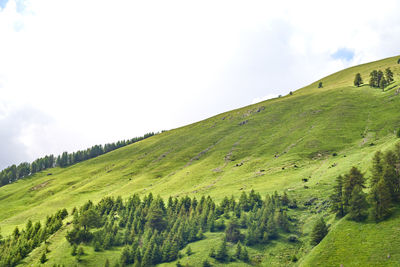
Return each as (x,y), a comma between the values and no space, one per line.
(78,73)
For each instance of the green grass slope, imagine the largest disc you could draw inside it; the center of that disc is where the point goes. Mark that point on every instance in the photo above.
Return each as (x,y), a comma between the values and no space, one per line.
(359,244)
(268,146)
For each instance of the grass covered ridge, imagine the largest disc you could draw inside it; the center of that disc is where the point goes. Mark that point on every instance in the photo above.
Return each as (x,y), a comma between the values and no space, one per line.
(268,146)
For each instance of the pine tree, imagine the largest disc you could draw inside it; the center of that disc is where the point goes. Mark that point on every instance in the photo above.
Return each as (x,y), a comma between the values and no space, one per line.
(232,232)
(379,78)
(238,250)
(373,81)
(222,252)
(200,234)
(358,80)
(244,256)
(337,197)
(389,75)
(283,221)
(251,238)
(43,258)
(97,246)
(383,83)
(147,257)
(138,256)
(377,168)
(126,256)
(244,202)
(243,220)
(155,218)
(320,85)
(74,249)
(189,251)
(285,199)
(380,200)
(391,179)
(358,204)
(166,250)
(271,230)
(80,253)
(156,254)
(137,264)
(174,251)
(319,231)
(352,179)
(16,233)
(212,253)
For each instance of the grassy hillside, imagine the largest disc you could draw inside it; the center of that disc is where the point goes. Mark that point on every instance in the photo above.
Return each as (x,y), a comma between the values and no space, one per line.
(359,244)
(268,146)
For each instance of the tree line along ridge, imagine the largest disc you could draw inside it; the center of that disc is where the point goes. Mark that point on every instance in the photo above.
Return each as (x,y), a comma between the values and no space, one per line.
(16,172)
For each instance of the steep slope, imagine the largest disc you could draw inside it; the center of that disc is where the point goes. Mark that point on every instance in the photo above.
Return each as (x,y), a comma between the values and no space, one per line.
(359,244)
(268,146)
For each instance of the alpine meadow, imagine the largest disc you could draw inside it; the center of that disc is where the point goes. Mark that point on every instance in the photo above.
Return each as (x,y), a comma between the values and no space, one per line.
(311,178)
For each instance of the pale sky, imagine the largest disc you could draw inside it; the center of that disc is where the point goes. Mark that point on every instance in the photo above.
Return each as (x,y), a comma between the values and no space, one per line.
(78,73)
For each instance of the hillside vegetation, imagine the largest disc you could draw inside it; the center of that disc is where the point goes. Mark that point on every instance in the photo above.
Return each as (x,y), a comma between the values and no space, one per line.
(296,144)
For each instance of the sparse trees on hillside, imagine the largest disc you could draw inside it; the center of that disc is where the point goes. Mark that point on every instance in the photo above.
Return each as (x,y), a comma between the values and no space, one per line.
(348,196)
(358,80)
(21,242)
(378,79)
(320,85)
(385,183)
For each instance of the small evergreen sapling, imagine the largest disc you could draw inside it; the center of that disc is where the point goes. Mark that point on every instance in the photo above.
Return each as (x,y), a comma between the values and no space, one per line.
(43,258)
(74,250)
(189,251)
(319,231)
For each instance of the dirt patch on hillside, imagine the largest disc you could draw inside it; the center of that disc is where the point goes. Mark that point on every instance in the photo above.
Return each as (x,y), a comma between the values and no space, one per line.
(40,186)
(161,157)
(200,154)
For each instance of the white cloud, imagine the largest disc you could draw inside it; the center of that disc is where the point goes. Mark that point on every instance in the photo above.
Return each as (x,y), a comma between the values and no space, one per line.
(103,71)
